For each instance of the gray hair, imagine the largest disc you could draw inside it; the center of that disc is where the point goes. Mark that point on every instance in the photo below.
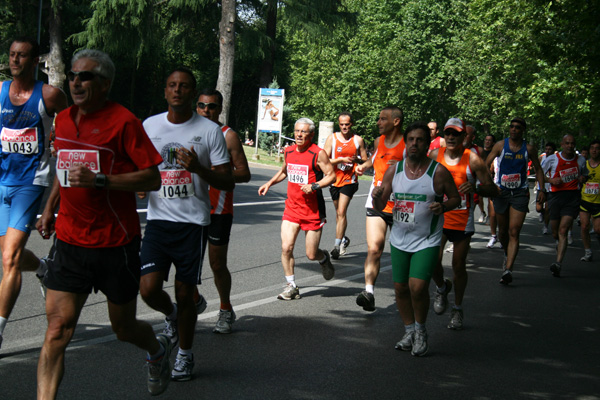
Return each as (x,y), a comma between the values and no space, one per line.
(309,122)
(105,67)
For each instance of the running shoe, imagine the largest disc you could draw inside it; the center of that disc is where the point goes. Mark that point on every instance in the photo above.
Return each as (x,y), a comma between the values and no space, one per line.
(545,230)
(159,370)
(492,242)
(226,320)
(541,217)
(587,257)
(335,253)
(440,301)
(456,319)
(289,293)
(570,238)
(449,248)
(182,370)
(419,347)
(200,304)
(506,277)
(406,343)
(555,269)
(482,217)
(41,274)
(326,267)
(344,245)
(170,331)
(366,300)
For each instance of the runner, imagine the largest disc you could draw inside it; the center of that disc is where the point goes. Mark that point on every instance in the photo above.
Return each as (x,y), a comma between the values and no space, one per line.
(542,207)
(590,200)
(98,228)
(511,205)
(27,107)
(436,141)
(345,149)
(221,208)
(389,149)
(194,156)
(418,186)
(308,170)
(564,173)
(466,168)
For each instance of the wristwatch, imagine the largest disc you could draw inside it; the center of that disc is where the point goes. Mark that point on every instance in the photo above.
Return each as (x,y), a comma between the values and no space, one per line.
(100,181)
(315,186)
(444,208)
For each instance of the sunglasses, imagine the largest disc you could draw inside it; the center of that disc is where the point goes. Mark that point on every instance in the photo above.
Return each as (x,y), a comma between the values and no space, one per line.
(210,106)
(83,75)
(452,132)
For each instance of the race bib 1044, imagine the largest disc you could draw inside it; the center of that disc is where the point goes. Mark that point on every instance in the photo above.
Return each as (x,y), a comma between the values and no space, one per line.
(66,159)
(511,181)
(175,184)
(22,141)
(569,174)
(297,174)
(592,188)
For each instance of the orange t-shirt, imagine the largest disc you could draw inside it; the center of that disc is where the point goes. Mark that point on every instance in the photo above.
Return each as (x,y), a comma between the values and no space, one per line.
(380,165)
(461,218)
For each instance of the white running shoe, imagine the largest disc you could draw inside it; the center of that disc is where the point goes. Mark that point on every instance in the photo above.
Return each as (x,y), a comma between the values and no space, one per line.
(545,230)
(570,238)
(492,242)
(449,248)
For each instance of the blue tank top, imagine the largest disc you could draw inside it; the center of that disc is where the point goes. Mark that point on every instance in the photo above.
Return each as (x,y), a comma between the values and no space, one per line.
(512,167)
(24,155)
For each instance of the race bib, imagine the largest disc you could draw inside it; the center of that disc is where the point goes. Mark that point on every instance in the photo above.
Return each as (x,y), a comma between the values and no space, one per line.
(569,174)
(297,174)
(512,181)
(176,184)
(345,166)
(592,188)
(463,201)
(404,212)
(22,141)
(66,159)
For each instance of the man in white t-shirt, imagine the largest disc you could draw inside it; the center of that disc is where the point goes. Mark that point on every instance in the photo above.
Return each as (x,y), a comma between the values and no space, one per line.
(194,156)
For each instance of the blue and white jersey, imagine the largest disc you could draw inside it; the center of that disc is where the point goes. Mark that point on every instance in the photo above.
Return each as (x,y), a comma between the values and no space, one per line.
(25,135)
(512,167)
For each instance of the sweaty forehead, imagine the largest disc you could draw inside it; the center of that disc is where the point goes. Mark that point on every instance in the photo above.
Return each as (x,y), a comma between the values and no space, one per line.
(208,99)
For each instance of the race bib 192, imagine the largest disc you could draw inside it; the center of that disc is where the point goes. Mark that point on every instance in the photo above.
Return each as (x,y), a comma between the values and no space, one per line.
(66,159)
(22,141)
(297,174)
(175,184)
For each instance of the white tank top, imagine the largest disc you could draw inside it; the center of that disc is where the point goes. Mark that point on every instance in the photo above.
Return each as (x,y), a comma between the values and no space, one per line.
(415,227)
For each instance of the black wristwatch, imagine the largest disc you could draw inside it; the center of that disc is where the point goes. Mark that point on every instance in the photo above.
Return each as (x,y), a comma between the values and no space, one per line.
(100,181)
(444,208)
(315,186)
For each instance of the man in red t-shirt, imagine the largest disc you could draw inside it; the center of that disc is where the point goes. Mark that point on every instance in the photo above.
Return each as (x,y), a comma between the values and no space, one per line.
(104,157)
(308,170)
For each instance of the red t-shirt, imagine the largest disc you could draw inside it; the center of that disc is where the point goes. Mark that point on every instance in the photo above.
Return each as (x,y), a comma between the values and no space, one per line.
(116,140)
(302,169)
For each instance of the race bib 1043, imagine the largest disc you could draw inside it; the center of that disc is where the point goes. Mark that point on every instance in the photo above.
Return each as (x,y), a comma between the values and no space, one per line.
(511,181)
(66,159)
(22,141)
(297,174)
(175,184)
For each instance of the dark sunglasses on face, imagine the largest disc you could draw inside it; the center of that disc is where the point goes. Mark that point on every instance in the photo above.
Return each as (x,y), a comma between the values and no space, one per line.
(452,132)
(83,75)
(210,106)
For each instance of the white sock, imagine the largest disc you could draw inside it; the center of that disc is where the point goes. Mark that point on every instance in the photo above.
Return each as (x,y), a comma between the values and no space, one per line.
(588,251)
(3,322)
(185,353)
(420,327)
(409,328)
(291,279)
(338,242)
(442,288)
(370,289)
(173,315)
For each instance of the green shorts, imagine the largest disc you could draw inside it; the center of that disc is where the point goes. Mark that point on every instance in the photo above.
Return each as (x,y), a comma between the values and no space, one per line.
(418,265)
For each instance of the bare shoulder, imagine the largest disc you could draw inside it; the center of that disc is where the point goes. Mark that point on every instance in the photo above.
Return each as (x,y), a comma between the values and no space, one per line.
(55,98)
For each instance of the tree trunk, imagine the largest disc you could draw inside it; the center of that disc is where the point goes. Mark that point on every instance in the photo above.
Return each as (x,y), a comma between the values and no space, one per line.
(55,64)
(226,55)
(266,74)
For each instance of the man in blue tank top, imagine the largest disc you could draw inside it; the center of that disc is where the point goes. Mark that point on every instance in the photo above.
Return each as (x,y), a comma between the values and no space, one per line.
(27,109)
(511,205)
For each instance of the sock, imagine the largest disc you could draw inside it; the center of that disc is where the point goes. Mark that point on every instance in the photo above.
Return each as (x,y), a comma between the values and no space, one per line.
(159,354)
(226,307)
(173,315)
(3,322)
(457,307)
(588,251)
(338,242)
(420,327)
(291,279)
(322,260)
(370,289)
(494,236)
(409,328)
(185,353)
(442,288)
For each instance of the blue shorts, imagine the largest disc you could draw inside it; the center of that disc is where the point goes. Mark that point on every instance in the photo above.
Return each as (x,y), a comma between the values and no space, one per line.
(19,206)
(177,243)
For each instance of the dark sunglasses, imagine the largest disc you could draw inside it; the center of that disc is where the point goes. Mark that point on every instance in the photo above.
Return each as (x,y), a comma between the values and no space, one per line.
(83,75)
(452,132)
(210,106)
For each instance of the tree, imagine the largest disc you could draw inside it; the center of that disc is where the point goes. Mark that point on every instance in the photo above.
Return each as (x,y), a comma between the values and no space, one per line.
(226,55)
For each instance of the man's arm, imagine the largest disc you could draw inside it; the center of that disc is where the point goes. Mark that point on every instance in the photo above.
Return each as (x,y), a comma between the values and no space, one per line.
(144,180)
(54,98)
(539,173)
(381,194)
(219,176)
(241,171)
(487,188)
(360,169)
(328,173)
(444,183)
(362,149)
(495,152)
(45,225)
(433,154)
(278,177)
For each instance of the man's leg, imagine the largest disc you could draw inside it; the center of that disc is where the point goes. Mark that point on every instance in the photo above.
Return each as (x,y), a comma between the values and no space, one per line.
(186,314)
(130,329)
(404,303)
(565,224)
(151,290)
(62,312)
(376,230)
(515,223)
(438,273)
(312,240)
(459,268)
(584,217)
(419,296)
(217,256)
(289,234)
(341,219)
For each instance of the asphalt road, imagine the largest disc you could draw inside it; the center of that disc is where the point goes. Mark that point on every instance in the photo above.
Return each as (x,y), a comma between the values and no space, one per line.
(536,339)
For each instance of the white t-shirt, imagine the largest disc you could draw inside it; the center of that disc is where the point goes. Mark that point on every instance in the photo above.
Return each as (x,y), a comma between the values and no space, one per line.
(183,196)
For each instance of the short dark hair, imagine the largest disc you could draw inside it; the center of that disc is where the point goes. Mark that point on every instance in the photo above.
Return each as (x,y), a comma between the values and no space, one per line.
(493,137)
(185,70)
(211,92)
(35,47)
(397,113)
(519,120)
(551,144)
(347,114)
(415,126)
(595,141)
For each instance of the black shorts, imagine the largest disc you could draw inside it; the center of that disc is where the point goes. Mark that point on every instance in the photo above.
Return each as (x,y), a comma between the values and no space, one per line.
(115,271)
(591,208)
(219,229)
(454,235)
(177,243)
(348,190)
(387,217)
(563,203)
(517,199)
